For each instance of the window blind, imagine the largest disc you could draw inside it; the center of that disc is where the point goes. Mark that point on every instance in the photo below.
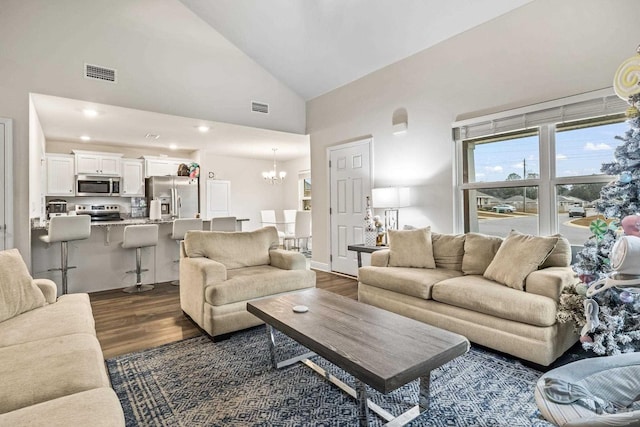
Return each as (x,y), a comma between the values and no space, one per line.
(509,122)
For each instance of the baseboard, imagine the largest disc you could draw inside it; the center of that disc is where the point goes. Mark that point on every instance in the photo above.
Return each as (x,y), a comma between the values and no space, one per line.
(320,266)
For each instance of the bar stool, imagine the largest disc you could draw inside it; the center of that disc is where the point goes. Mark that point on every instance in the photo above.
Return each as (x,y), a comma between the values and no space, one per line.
(138,237)
(223,223)
(180,227)
(65,229)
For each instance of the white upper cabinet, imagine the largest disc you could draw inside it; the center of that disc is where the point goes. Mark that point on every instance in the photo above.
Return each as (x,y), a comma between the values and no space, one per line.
(162,166)
(132,183)
(93,163)
(60,175)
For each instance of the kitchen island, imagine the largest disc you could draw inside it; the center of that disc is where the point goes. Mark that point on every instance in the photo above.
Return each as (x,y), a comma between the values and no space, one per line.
(101,261)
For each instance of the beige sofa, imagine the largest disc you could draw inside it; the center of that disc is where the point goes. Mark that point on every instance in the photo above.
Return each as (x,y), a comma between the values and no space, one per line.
(52,370)
(457,289)
(221,271)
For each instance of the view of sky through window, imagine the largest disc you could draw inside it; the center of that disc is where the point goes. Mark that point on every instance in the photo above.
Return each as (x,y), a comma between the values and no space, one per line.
(579,152)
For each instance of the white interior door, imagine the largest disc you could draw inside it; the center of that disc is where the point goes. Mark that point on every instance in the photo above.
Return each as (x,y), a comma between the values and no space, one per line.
(350,176)
(218,194)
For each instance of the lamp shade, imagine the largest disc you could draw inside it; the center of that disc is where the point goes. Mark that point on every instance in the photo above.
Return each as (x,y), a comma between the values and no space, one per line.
(391,197)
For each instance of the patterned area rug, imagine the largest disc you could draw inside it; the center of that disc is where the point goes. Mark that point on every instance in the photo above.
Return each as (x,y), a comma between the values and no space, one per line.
(196,382)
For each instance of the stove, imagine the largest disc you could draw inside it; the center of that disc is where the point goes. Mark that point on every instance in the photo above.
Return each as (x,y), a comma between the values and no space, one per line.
(100,212)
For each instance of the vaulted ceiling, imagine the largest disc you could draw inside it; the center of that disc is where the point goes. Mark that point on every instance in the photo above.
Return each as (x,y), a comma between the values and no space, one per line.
(315,46)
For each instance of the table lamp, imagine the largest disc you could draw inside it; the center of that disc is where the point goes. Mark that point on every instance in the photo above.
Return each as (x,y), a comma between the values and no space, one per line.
(391,199)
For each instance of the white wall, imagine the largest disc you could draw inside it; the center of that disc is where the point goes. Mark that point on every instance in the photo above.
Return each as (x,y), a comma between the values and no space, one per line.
(250,193)
(542,51)
(37,142)
(167,60)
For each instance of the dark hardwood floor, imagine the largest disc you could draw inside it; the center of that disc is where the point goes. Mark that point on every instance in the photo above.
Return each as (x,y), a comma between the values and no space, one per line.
(132,322)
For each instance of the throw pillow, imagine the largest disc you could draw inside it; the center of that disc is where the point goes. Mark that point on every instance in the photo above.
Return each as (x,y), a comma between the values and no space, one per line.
(411,248)
(448,250)
(519,255)
(560,256)
(479,250)
(18,292)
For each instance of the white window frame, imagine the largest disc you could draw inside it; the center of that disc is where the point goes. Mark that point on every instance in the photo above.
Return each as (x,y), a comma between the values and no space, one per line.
(544,117)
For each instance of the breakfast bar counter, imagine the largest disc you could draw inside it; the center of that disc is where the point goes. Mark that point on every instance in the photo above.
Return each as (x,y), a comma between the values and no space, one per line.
(101,262)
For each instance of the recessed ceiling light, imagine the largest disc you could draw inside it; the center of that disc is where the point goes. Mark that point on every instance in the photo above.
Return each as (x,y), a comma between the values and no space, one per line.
(203,128)
(85,138)
(152,136)
(89,112)
(173,146)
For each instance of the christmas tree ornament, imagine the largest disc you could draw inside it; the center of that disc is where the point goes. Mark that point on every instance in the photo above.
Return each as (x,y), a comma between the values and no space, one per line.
(581,288)
(631,225)
(632,112)
(598,227)
(627,77)
(626,297)
(625,177)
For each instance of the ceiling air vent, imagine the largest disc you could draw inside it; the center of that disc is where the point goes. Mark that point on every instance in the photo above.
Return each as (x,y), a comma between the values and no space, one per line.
(99,73)
(259,107)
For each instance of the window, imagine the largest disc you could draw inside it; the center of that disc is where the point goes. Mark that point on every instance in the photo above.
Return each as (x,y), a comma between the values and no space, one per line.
(581,147)
(537,171)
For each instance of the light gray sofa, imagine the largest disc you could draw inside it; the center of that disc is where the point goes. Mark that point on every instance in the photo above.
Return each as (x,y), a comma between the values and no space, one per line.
(52,370)
(455,292)
(221,271)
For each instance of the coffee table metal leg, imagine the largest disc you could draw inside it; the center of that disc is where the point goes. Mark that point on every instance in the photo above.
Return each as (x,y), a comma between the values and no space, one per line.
(360,392)
(423,397)
(274,356)
(363,407)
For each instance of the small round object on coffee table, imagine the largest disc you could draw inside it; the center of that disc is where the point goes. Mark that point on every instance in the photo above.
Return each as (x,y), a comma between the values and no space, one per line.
(300,308)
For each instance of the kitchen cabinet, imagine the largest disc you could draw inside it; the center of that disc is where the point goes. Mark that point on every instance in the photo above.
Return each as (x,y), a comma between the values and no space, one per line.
(132,182)
(93,163)
(60,175)
(162,166)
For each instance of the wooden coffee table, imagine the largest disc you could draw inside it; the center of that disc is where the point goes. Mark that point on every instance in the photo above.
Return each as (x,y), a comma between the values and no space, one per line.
(379,348)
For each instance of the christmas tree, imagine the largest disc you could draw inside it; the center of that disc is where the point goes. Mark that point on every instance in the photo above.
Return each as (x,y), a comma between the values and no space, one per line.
(613,327)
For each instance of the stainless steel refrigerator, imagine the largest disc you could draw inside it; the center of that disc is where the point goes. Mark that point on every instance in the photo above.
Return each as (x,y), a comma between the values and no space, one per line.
(178,195)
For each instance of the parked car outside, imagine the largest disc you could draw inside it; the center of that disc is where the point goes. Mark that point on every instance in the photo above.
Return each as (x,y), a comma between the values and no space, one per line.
(504,209)
(577,210)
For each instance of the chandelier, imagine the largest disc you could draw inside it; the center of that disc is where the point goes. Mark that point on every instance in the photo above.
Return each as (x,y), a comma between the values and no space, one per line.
(273,176)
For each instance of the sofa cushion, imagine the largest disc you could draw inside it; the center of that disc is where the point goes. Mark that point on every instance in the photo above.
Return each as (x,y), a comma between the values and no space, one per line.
(38,371)
(479,250)
(71,314)
(18,292)
(232,249)
(560,256)
(448,250)
(519,255)
(411,248)
(550,281)
(244,284)
(98,407)
(482,295)
(414,282)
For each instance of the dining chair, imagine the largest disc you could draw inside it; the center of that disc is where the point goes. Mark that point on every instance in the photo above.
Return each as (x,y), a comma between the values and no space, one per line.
(268,218)
(289,222)
(302,229)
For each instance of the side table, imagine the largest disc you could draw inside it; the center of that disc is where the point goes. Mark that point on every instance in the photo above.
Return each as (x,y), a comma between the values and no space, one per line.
(359,249)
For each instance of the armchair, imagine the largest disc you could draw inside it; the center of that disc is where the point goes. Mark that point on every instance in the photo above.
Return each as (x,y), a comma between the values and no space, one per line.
(221,271)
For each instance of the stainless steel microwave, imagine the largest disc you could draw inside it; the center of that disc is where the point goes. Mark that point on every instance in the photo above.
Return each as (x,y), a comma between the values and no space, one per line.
(87,185)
